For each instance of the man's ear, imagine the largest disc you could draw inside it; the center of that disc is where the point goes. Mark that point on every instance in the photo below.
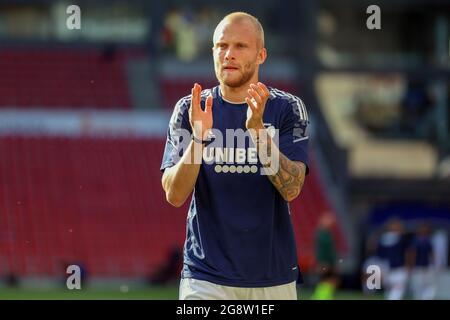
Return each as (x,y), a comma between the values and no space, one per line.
(262,55)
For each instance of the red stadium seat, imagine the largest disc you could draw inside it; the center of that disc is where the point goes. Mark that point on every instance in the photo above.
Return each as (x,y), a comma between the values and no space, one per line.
(64,78)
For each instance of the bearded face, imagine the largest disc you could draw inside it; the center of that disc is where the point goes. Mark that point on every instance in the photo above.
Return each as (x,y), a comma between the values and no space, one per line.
(235,54)
(235,75)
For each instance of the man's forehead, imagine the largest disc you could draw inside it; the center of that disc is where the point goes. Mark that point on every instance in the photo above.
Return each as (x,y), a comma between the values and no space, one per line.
(235,31)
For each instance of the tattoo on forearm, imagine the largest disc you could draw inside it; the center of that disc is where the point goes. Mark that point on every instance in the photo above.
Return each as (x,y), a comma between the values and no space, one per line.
(289,178)
(290,175)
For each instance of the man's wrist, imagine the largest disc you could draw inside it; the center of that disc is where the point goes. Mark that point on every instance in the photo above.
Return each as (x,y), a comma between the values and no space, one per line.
(257,127)
(255,130)
(197,140)
(261,132)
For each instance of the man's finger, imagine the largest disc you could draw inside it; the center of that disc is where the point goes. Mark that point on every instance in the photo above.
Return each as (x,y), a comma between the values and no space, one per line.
(264,88)
(260,91)
(193,95)
(196,97)
(209,104)
(255,96)
(251,104)
(197,90)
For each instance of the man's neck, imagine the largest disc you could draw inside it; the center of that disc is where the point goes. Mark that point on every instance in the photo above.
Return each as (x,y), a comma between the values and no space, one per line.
(235,95)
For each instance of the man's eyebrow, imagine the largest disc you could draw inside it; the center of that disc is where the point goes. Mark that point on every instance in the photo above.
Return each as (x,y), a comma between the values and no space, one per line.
(238,42)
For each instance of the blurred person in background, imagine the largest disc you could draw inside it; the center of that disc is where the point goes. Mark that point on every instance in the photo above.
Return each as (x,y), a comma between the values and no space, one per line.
(440,249)
(370,259)
(441,253)
(240,242)
(180,33)
(392,250)
(417,107)
(168,272)
(325,258)
(423,280)
(325,248)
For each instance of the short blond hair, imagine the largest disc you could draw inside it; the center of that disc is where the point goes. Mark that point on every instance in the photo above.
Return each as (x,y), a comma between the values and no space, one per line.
(240,16)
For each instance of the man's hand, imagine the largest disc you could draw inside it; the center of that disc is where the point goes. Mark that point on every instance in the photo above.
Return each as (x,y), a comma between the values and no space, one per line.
(179,181)
(256,101)
(201,121)
(289,177)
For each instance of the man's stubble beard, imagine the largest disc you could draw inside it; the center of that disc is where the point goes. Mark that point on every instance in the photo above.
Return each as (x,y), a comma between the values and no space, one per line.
(249,71)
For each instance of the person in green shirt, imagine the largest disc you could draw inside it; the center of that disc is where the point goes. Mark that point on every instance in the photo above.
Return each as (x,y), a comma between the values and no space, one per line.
(325,259)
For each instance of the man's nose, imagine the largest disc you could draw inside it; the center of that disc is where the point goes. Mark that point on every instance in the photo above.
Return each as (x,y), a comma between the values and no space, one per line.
(229,54)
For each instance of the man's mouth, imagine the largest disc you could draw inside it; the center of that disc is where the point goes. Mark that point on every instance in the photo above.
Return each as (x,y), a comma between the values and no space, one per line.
(230,68)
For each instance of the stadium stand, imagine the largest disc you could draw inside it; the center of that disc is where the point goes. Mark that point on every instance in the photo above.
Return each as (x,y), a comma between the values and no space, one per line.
(97,201)
(65,78)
